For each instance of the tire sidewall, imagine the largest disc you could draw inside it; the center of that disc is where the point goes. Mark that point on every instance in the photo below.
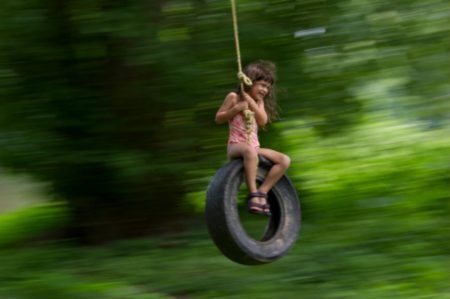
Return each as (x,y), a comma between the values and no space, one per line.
(221,197)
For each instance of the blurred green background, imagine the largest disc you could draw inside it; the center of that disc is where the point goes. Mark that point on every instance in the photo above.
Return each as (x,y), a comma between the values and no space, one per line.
(108,143)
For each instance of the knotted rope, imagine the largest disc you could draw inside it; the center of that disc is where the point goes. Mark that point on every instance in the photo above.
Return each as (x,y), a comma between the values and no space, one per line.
(249,115)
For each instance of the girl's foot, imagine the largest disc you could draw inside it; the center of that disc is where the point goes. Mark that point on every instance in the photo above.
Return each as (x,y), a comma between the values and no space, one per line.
(253,204)
(264,203)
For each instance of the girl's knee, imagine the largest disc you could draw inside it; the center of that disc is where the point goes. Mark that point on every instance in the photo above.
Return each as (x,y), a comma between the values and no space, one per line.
(285,161)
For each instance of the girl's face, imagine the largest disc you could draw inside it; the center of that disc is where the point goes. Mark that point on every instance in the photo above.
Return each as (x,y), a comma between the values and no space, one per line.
(259,90)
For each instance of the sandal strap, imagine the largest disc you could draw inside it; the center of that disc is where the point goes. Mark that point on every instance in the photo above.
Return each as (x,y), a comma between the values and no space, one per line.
(251,204)
(253,194)
(262,194)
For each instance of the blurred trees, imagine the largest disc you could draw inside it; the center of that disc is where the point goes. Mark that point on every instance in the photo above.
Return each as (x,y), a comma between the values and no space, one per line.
(113,102)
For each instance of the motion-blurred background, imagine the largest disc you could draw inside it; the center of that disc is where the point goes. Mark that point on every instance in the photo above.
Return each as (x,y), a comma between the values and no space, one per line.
(108,142)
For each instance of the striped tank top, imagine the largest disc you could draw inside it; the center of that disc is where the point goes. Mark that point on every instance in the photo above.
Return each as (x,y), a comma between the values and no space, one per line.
(238,131)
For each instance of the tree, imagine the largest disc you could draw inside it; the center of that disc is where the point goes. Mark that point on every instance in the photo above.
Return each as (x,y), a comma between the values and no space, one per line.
(113,103)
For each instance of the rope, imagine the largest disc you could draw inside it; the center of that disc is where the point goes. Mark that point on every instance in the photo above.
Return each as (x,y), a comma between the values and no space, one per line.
(249,115)
(242,77)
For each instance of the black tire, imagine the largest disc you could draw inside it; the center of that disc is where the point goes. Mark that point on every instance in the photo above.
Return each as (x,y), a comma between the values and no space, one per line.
(224,224)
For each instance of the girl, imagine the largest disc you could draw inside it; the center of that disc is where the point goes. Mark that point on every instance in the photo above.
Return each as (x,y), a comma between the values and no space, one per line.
(257,99)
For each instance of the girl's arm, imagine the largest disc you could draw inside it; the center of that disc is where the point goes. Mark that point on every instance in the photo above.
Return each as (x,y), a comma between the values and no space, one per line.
(230,107)
(258,108)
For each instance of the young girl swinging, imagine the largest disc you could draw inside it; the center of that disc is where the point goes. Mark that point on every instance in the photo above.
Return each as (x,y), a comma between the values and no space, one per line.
(245,111)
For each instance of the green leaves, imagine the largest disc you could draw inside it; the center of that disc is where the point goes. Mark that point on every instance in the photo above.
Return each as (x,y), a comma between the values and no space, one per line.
(128,90)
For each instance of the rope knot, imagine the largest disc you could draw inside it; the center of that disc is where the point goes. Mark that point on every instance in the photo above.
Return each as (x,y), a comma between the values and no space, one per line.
(244,79)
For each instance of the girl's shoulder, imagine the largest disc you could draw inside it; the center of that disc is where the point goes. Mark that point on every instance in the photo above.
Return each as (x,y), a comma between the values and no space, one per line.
(232,96)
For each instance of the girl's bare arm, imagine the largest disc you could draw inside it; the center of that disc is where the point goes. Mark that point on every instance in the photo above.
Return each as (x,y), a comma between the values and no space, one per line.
(258,108)
(230,107)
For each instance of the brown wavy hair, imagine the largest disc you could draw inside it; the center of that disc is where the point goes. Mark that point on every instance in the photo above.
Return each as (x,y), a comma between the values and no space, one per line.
(263,70)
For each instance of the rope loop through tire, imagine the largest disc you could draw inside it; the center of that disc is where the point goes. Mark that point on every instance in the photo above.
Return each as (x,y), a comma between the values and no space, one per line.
(224,223)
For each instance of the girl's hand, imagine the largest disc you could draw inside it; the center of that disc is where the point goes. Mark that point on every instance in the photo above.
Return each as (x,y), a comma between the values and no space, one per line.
(247,97)
(257,107)
(241,106)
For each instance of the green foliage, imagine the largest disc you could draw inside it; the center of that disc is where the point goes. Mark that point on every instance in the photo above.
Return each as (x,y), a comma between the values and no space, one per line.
(55,286)
(32,222)
(331,260)
(113,103)
(377,164)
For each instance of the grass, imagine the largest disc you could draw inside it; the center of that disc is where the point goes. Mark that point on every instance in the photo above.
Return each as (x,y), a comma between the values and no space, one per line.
(351,259)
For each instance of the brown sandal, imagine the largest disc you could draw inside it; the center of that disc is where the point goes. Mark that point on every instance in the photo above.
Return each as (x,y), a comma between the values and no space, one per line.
(266,206)
(254,207)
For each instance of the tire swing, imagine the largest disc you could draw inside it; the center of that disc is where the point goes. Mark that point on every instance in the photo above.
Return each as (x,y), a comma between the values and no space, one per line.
(224,224)
(221,209)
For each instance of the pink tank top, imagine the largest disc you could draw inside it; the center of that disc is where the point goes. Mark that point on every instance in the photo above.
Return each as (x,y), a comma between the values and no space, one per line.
(238,131)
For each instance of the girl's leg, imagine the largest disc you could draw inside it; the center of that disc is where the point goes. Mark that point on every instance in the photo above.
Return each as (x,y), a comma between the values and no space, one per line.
(281,163)
(250,156)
